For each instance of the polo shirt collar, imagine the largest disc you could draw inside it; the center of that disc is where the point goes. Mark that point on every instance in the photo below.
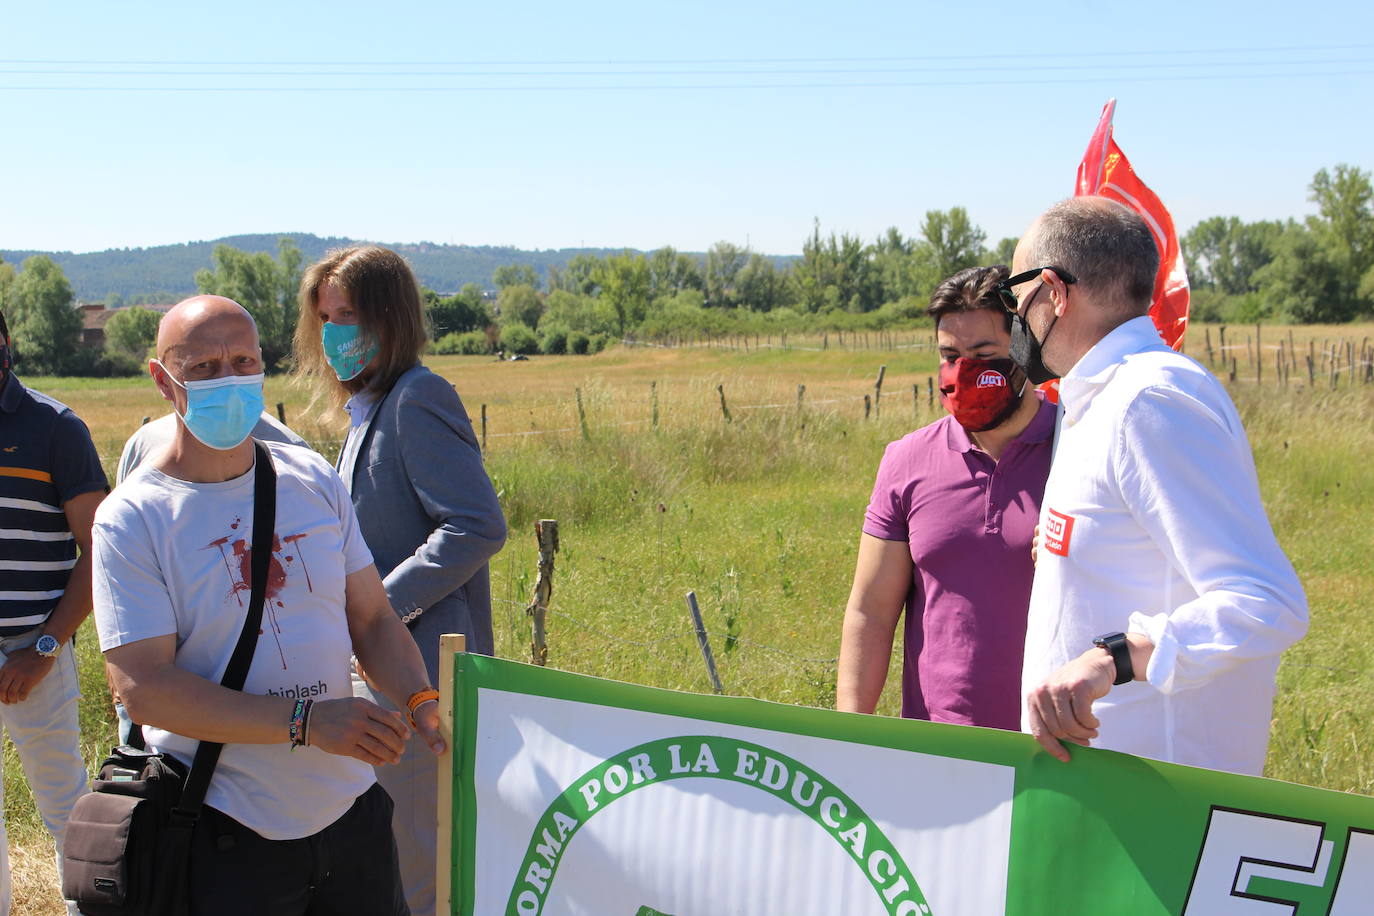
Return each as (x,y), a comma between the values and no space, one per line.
(1099,364)
(13,394)
(956,437)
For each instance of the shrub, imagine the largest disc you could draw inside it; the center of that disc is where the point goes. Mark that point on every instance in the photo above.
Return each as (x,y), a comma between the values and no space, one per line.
(446,345)
(474,343)
(469,343)
(519,338)
(95,363)
(553,338)
(578,342)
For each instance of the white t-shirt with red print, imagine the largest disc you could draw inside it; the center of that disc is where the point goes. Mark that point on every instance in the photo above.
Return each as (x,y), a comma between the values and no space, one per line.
(172,557)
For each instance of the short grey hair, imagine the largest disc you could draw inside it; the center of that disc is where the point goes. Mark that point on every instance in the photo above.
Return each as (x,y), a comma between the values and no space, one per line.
(1107,246)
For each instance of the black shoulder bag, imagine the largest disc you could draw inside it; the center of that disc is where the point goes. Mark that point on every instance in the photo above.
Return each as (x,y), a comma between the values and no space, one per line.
(128,842)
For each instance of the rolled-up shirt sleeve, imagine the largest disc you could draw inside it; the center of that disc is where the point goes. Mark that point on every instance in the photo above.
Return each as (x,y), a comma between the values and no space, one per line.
(1185,470)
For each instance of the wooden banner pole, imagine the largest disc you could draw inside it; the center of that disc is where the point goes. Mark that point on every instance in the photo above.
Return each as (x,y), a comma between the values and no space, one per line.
(449,645)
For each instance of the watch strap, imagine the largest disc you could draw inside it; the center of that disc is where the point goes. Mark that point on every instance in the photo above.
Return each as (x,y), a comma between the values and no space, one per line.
(1116,644)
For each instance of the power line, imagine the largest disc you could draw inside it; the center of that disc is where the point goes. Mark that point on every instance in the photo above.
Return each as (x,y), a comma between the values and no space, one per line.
(614,87)
(830,71)
(1076,55)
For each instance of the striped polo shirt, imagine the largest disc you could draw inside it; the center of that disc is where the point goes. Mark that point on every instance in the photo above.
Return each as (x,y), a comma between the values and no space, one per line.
(46,458)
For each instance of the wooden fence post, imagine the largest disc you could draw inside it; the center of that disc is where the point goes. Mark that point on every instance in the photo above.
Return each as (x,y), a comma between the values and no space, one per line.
(878,392)
(653,402)
(281,412)
(449,645)
(868,405)
(915,401)
(704,643)
(930,391)
(1211,357)
(724,410)
(484,427)
(582,416)
(801,417)
(546,533)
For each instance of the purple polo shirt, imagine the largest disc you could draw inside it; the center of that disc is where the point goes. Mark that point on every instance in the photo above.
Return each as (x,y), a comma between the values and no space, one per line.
(968,521)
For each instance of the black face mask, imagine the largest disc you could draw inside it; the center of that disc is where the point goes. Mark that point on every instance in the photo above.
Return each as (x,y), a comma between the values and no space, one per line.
(1026,349)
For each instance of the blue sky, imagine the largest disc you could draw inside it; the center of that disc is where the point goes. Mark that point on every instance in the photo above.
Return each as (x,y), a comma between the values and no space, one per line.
(547,125)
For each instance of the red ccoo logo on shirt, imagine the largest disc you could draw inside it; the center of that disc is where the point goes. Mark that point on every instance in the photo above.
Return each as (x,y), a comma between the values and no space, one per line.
(1058,531)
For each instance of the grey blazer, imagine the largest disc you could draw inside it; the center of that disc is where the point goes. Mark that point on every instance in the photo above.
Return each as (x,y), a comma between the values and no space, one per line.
(428,512)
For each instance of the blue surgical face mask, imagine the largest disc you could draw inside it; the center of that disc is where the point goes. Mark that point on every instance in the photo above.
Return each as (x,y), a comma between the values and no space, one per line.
(347,350)
(221,412)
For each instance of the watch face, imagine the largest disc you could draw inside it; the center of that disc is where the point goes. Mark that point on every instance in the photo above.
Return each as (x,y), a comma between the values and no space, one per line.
(46,645)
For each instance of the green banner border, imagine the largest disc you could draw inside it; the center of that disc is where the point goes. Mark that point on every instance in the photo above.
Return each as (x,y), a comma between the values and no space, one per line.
(1134,823)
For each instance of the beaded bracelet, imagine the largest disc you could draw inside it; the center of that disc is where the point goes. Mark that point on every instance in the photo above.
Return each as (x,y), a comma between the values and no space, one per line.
(417,699)
(296,730)
(305,723)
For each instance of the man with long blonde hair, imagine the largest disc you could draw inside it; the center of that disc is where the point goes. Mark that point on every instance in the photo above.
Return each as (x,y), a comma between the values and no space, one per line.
(414,470)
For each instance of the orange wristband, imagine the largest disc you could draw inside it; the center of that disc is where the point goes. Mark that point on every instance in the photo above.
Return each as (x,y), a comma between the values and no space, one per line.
(416,699)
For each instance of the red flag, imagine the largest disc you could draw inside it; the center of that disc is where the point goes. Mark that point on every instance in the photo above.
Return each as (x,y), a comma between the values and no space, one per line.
(1105,172)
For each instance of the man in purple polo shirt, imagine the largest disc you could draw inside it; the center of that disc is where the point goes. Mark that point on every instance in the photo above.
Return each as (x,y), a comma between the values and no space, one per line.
(947,534)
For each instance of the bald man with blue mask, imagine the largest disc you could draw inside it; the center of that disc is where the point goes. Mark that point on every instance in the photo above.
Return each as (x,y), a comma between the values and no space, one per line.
(295,784)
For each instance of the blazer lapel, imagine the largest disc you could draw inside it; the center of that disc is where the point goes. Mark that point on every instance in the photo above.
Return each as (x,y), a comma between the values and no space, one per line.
(351,473)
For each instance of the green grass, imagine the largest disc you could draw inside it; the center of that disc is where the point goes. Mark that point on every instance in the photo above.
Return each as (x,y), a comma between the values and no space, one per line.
(761,517)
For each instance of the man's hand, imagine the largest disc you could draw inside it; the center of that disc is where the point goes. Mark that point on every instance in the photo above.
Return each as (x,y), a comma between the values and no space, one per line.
(1061,708)
(1035,546)
(426,718)
(355,727)
(21,673)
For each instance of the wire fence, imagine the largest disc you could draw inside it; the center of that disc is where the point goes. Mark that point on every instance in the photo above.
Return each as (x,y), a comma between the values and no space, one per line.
(644,647)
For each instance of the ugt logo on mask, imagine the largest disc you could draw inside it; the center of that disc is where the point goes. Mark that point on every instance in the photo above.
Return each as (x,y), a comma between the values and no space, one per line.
(991,379)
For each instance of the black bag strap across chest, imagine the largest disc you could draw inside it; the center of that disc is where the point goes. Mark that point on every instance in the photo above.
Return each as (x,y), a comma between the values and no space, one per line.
(187,811)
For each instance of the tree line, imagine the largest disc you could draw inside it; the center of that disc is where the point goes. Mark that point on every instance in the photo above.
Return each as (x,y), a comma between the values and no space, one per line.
(1316,270)
(1320,269)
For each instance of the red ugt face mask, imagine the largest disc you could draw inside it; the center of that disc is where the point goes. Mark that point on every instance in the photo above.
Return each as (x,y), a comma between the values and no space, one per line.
(981,393)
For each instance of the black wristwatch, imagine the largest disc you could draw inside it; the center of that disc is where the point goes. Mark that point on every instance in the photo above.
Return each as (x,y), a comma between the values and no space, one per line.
(1116,644)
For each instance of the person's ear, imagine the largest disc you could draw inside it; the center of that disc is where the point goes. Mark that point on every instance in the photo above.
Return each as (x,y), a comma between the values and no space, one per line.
(162,381)
(1058,291)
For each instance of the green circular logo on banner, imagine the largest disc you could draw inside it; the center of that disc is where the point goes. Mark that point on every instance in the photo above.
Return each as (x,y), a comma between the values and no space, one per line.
(712,757)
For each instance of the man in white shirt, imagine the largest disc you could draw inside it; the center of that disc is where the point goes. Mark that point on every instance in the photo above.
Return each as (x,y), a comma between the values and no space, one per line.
(295,823)
(1161,601)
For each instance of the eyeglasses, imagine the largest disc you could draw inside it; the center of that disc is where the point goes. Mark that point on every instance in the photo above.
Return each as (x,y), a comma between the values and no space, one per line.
(1009,299)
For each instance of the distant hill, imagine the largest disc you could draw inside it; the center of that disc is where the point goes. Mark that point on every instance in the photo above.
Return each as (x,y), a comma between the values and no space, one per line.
(170,269)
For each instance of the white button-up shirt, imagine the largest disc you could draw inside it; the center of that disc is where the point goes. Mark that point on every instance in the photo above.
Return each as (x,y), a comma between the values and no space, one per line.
(360,408)
(1152,523)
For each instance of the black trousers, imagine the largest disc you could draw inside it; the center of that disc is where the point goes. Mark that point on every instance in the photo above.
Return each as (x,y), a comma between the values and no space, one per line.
(347,869)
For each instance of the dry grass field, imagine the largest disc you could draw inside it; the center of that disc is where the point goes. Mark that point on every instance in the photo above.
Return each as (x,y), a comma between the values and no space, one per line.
(760,514)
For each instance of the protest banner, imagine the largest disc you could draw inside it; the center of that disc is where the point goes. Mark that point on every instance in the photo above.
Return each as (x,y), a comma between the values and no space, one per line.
(575,795)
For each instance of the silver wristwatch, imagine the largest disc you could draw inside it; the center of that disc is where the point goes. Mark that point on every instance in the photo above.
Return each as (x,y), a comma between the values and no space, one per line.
(47,646)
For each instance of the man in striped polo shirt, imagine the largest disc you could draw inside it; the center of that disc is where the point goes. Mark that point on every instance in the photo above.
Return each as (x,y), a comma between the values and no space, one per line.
(50,485)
